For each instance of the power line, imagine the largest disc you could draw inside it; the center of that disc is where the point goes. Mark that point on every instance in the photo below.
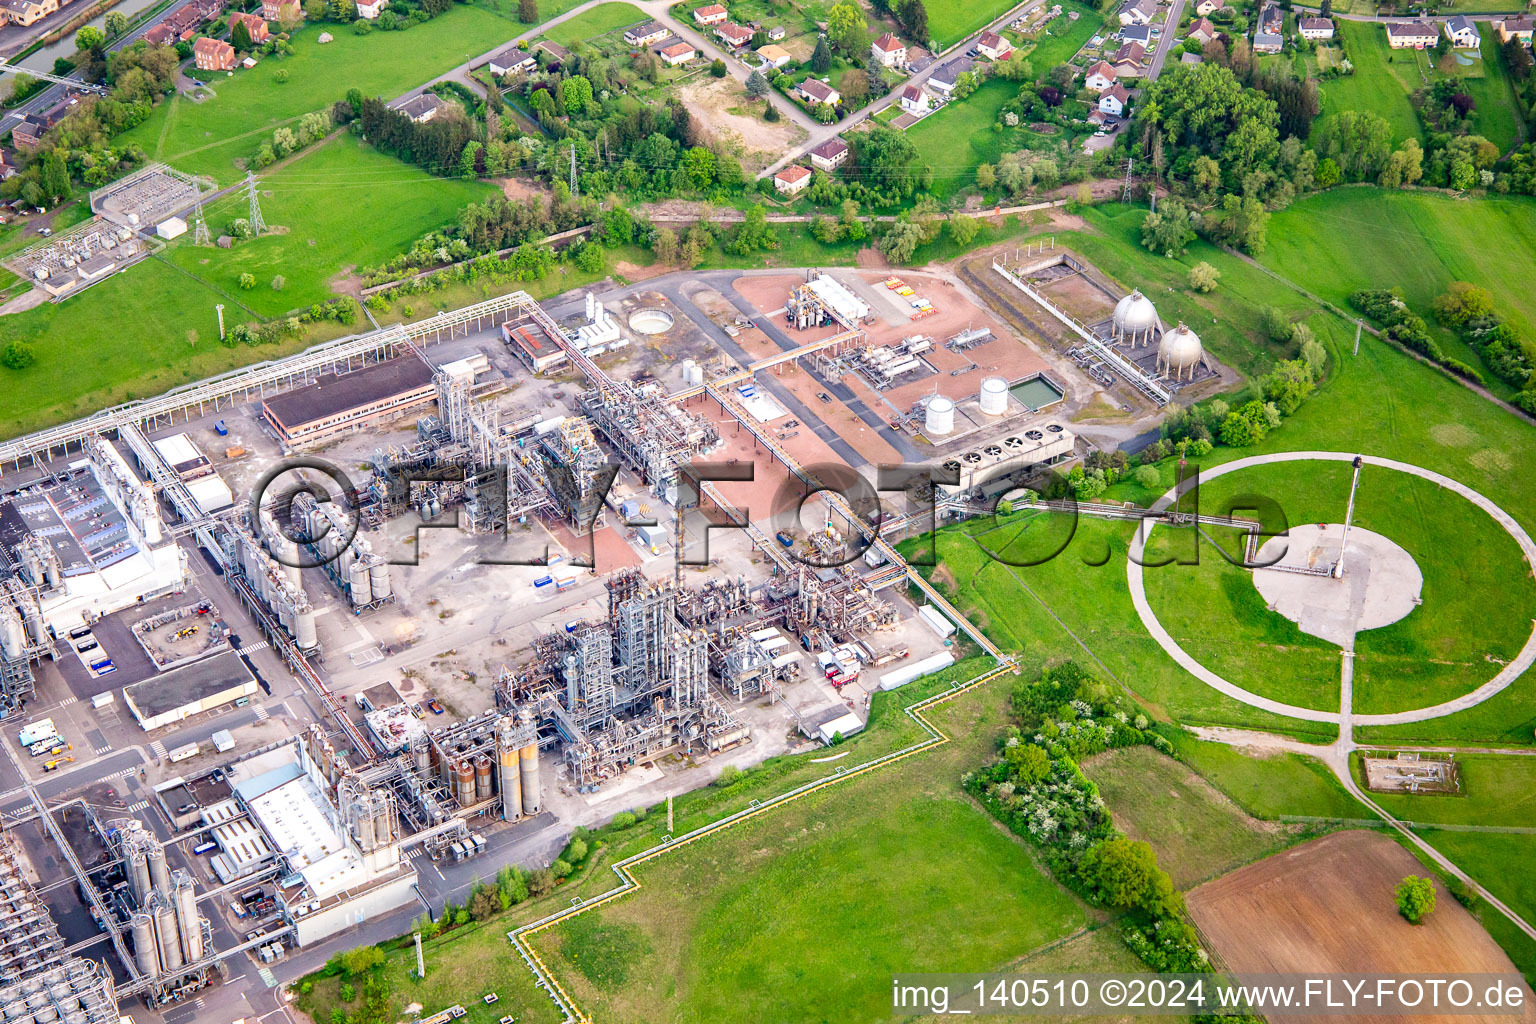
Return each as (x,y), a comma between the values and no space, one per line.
(258,225)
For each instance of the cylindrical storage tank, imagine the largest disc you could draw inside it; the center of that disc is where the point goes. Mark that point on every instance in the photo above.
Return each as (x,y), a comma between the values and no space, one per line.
(187,921)
(423,755)
(464,783)
(144,954)
(482,779)
(291,563)
(378,579)
(939,417)
(511,784)
(170,943)
(357,579)
(159,874)
(35,625)
(12,638)
(994,396)
(383,819)
(138,876)
(528,769)
(304,629)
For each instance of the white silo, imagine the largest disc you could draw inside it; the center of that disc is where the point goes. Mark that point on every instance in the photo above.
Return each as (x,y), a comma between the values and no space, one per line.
(994,396)
(12,638)
(939,416)
(357,582)
(304,627)
(378,579)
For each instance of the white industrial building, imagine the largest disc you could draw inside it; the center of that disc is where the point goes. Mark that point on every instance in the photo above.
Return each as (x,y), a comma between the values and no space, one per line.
(190,690)
(208,489)
(838,300)
(337,867)
(91,540)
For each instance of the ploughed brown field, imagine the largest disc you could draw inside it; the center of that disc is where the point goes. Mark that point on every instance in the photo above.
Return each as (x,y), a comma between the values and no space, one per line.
(1327,907)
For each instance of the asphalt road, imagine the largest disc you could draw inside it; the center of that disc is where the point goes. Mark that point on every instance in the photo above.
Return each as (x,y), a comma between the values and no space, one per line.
(1165,44)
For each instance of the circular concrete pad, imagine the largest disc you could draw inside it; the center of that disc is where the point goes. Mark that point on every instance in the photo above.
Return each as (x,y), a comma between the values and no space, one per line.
(1381,581)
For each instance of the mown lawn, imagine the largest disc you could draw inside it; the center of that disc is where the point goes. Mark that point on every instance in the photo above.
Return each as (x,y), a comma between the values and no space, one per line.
(1478,598)
(1270,785)
(1382,81)
(1496,790)
(1064,37)
(207,137)
(342,205)
(1496,117)
(597,21)
(958,138)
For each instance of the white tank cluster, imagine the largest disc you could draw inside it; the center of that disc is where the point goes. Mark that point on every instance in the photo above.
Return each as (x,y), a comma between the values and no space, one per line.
(1135,319)
(77,991)
(278,586)
(1179,353)
(369,814)
(361,573)
(168,934)
(994,396)
(22,628)
(939,415)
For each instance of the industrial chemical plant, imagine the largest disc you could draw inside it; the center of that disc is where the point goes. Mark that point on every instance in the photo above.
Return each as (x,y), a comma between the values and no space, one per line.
(359,625)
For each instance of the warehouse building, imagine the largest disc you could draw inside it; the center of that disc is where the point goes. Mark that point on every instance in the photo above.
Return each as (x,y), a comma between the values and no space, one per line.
(181,693)
(208,489)
(337,404)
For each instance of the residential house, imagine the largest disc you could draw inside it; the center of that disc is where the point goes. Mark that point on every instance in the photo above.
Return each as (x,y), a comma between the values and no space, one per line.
(511,61)
(792,179)
(558,55)
(714,14)
(677,53)
(371,9)
(1267,42)
(1271,18)
(993,46)
(777,33)
(889,51)
(1190,58)
(26,12)
(28,132)
(1462,32)
(1417,34)
(776,56)
(211,54)
(285,10)
(1201,30)
(1204,7)
(1128,59)
(914,101)
(253,24)
(1515,28)
(733,36)
(647,33)
(814,90)
(1137,34)
(1114,100)
(422,108)
(944,78)
(1101,76)
(1315,28)
(1137,12)
(161,35)
(830,155)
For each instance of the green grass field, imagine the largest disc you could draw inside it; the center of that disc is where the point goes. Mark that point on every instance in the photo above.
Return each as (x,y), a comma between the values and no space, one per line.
(342,205)
(1198,833)
(597,21)
(1496,790)
(1268,786)
(208,137)
(841,889)
(1382,81)
(1500,861)
(1478,597)
(950,21)
(1343,240)
(1064,37)
(1496,117)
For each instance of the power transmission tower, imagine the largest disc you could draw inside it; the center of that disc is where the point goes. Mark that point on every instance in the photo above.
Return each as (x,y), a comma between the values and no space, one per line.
(574,189)
(1125,196)
(257,224)
(200,231)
